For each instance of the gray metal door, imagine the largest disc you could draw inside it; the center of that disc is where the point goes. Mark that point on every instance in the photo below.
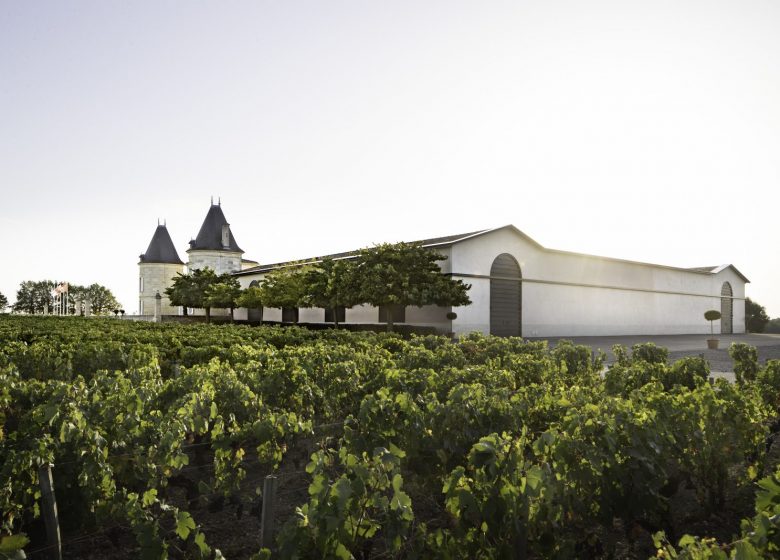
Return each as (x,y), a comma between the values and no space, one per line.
(506,299)
(726,309)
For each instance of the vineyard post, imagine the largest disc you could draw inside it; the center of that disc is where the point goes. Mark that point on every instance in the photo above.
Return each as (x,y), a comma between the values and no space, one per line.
(267,519)
(54,543)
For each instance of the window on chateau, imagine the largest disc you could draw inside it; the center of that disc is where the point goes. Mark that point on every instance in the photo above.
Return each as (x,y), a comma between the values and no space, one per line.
(141,284)
(289,314)
(399,314)
(341,314)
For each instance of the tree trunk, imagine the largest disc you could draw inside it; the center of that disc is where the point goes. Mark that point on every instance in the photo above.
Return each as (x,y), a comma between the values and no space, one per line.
(208,315)
(335,317)
(231,315)
(184,309)
(389,318)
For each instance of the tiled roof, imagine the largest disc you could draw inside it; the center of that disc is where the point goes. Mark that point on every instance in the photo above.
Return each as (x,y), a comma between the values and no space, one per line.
(161,249)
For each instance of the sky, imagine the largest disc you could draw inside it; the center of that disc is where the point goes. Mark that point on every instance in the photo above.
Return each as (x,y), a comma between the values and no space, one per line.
(648,131)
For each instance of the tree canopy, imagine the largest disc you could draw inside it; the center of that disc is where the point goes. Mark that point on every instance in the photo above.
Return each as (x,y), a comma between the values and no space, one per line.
(197,290)
(34,297)
(3,302)
(404,274)
(223,294)
(284,287)
(330,284)
(756,317)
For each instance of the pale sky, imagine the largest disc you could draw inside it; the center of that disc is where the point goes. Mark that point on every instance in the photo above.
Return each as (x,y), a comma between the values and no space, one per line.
(647,131)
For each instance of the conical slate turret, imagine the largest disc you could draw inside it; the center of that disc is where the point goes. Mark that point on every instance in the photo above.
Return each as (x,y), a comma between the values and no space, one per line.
(215,234)
(161,249)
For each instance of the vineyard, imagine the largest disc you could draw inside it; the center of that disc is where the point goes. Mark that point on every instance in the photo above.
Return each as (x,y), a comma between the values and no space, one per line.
(161,439)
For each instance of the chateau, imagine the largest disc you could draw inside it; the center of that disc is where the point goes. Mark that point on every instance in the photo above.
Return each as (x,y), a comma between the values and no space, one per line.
(518,287)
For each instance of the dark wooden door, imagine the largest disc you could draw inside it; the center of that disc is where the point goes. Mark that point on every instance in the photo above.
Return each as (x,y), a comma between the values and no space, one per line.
(506,299)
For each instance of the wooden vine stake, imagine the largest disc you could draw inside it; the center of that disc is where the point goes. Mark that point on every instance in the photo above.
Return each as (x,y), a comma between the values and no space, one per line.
(49,511)
(267,519)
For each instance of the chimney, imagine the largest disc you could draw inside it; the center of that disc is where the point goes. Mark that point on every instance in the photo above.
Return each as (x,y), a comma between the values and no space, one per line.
(226,236)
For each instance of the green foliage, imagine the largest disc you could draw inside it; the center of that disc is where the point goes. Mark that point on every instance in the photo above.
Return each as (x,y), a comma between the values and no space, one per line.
(3,302)
(649,353)
(331,284)
(348,514)
(688,372)
(768,382)
(745,361)
(576,359)
(34,297)
(251,298)
(405,274)
(284,287)
(197,290)
(223,294)
(504,502)
(756,318)
(425,447)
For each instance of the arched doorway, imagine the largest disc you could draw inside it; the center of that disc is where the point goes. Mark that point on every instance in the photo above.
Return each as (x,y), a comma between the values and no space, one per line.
(255,315)
(506,298)
(726,309)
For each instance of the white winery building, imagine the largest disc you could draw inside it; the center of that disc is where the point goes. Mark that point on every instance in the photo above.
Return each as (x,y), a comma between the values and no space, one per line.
(518,288)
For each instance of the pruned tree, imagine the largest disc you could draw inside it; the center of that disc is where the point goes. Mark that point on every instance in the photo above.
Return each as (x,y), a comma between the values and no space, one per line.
(189,290)
(712,315)
(284,287)
(223,294)
(3,302)
(251,298)
(330,284)
(183,292)
(404,274)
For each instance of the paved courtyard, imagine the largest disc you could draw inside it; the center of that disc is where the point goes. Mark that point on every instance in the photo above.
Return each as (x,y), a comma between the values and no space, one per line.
(768,346)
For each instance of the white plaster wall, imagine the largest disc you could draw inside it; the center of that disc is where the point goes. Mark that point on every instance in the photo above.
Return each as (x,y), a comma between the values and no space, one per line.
(362,314)
(311,315)
(272,314)
(474,317)
(157,277)
(575,295)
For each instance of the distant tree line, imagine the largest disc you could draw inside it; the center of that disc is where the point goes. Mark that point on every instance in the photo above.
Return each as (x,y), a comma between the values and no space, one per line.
(388,275)
(37,297)
(756,318)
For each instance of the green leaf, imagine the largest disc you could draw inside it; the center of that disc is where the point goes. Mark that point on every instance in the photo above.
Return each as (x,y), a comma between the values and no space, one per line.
(150,497)
(13,543)
(200,542)
(745,551)
(213,413)
(184,524)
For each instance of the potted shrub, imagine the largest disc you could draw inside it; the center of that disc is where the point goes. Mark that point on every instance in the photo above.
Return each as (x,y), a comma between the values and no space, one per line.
(712,315)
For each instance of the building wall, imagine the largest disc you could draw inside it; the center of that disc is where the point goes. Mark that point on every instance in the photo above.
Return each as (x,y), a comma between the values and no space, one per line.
(156,278)
(218,261)
(577,295)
